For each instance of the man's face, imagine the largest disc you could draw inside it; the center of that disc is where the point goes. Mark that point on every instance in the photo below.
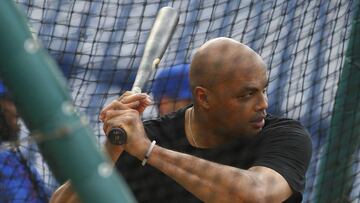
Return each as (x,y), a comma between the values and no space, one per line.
(239,102)
(9,120)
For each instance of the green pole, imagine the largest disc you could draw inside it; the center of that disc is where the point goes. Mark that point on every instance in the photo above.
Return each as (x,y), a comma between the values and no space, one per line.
(336,178)
(40,94)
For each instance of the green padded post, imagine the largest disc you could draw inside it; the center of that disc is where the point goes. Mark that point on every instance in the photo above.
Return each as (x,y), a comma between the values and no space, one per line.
(41,95)
(335,179)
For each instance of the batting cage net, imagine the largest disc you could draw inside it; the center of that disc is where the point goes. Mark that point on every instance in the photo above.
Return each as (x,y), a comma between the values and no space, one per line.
(99,44)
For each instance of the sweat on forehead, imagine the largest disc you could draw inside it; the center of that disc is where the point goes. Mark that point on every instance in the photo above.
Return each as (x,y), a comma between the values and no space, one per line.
(218,56)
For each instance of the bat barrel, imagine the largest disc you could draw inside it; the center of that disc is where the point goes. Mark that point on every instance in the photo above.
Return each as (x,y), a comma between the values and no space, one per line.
(158,40)
(156,44)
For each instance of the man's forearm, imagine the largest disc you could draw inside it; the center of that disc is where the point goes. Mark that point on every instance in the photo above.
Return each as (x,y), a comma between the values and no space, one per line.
(209,181)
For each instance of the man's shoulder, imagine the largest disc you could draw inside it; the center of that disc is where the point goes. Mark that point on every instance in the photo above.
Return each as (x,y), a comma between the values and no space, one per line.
(274,122)
(280,126)
(285,146)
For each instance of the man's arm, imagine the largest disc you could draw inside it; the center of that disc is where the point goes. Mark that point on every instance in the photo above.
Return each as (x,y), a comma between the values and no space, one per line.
(209,181)
(64,193)
(139,102)
(212,182)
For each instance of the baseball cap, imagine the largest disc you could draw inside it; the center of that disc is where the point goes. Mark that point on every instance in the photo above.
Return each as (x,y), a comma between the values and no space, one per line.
(172,82)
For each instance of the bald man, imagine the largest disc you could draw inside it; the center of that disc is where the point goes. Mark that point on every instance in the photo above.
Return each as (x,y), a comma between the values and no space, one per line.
(222,148)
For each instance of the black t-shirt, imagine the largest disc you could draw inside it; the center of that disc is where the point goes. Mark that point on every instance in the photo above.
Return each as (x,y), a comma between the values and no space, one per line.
(283,145)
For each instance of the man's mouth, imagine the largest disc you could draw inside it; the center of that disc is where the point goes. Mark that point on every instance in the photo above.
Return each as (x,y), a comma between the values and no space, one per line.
(258,122)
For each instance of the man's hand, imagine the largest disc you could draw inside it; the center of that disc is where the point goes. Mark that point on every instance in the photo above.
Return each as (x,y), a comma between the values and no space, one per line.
(134,101)
(111,115)
(118,114)
(65,193)
(137,101)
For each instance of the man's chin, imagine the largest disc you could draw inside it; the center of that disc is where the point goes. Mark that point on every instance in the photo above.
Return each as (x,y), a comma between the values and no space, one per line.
(253,132)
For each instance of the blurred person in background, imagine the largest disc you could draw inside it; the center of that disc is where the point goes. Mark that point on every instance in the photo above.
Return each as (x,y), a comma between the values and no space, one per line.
(171,90)
(19,181)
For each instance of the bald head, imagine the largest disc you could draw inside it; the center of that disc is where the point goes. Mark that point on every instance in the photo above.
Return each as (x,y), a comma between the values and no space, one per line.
(215,60)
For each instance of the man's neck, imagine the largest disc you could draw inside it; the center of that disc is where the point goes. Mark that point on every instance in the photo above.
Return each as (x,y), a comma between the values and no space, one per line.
(199,134)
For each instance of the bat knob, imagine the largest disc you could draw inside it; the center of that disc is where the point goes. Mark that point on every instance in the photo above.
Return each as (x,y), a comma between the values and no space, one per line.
(117,136)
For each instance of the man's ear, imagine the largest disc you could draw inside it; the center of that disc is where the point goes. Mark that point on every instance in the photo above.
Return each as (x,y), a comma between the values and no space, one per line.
(201,97)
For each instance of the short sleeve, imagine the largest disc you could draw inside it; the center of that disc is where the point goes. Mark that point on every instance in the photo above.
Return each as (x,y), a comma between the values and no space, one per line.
(286,148)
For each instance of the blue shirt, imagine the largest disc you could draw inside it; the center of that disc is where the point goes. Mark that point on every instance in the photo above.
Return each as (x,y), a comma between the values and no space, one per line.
(20,182)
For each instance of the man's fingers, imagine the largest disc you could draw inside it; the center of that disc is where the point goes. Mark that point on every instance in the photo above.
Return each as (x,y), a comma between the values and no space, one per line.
(139,105)
(114,105)
(134,97)
(109,121)
(133,101)
(115,118)
(114,113)
(127,93)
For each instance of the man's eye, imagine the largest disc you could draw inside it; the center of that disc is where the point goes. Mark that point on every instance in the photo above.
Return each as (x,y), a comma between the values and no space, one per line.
(248,94)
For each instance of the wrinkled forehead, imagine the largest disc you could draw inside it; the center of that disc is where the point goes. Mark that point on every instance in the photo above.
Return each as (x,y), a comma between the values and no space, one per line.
(246,73)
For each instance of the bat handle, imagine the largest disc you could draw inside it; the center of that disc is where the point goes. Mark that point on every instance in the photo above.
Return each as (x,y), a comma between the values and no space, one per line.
(117,136)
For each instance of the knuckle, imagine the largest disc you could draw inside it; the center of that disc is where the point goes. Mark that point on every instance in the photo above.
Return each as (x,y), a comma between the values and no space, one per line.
(133,115)
(127,93)
(133,111)
(114,102)
(117,102)
(132,118)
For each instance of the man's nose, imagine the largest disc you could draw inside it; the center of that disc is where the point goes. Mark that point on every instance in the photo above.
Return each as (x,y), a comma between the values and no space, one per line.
(262,103)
